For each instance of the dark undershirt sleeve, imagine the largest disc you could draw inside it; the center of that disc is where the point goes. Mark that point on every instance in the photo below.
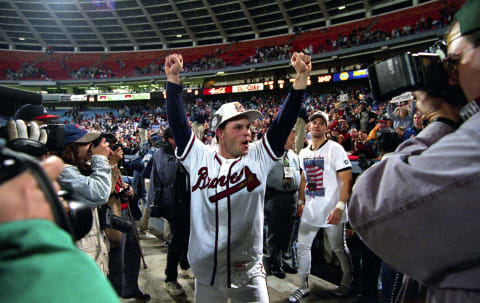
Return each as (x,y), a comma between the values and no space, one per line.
(177,119)
(280,128)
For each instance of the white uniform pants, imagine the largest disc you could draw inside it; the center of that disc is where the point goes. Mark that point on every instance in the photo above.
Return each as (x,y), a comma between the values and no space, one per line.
(334,236)
(254,291)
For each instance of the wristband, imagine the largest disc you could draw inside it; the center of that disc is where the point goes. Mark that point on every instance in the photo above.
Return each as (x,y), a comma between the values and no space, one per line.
(341,205)
(301,202)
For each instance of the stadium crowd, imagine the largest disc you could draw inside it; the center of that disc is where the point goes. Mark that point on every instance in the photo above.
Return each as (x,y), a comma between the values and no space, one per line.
(357,37)
(353,123)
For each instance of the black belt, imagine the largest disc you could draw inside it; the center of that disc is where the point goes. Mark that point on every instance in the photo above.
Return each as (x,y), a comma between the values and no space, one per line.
(283,191)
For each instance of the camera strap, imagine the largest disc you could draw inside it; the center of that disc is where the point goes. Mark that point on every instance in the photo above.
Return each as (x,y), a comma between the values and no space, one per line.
(447,121)
(470,109)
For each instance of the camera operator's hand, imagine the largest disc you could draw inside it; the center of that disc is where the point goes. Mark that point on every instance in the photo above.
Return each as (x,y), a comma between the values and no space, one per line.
(22,199)
(433,108)
(29,139)
(102,149)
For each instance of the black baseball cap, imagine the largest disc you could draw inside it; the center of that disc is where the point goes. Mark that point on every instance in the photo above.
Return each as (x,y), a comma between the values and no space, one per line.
(31,112)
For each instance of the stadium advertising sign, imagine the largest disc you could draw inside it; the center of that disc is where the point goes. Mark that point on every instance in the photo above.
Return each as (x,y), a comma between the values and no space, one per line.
(247,88)
(324,78)
(350,75)
(233,89)
(124,97)
(82,98)
(217,90)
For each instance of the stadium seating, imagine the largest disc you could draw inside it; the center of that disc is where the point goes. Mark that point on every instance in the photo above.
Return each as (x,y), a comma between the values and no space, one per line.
(65,65)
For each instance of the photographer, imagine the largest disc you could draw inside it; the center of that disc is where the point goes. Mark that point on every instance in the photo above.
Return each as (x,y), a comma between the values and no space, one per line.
(418,208)
(87,177)
(124,257)
(38,260)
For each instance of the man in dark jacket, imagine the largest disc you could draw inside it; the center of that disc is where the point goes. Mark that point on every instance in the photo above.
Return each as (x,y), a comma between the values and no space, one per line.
(169,192)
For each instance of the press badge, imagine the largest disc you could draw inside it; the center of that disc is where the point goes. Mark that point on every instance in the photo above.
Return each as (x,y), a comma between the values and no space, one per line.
(287,172)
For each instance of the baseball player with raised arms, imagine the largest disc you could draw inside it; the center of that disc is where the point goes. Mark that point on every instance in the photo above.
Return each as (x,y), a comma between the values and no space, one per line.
(228,188)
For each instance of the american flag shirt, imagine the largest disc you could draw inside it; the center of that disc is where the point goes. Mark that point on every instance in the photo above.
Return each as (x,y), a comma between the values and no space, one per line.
(323,185)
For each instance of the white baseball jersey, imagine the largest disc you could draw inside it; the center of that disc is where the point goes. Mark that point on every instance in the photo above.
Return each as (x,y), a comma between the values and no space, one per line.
(323,186)
(227,197)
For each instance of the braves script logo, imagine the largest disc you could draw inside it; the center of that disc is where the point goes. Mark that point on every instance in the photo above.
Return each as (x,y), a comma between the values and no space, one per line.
(239,107)
(250,181)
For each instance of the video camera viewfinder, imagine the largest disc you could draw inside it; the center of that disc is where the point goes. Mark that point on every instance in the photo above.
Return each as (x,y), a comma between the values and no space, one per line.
(420,71)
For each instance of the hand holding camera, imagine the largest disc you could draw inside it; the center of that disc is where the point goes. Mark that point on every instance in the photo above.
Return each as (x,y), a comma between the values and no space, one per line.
(117,154)
(30,139)
(21,198)
(102,148)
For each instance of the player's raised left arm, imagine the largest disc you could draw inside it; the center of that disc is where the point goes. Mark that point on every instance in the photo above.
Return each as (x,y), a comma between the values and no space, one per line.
(303,66)
(280,128)
(173,67)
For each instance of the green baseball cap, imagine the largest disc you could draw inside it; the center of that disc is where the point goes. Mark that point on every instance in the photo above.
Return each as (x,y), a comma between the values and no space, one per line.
(468,17)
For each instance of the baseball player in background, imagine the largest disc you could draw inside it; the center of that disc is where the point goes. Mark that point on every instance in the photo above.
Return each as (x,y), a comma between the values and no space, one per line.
(228,188)
(324,190)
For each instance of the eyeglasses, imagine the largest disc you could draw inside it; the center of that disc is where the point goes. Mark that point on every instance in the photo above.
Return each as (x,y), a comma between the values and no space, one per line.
(452,60)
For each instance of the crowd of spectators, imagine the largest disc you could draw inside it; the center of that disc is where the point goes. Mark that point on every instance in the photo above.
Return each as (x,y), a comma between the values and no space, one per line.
(101,72)
(356,124)
(269,53)
(26,71)
(363,36)
(210,61)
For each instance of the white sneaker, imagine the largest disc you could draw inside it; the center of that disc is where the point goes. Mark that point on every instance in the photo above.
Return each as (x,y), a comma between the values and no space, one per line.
(187,273)
(149,235)
(174,288)
(298,295)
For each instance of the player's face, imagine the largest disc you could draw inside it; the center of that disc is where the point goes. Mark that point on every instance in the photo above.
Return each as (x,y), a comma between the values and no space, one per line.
(235,138)
(318,128)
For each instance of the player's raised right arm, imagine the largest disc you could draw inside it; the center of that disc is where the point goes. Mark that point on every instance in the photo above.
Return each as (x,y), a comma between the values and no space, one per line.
(177,119)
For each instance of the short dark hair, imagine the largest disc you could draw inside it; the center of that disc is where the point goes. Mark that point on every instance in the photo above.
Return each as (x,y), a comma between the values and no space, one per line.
(388,141)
